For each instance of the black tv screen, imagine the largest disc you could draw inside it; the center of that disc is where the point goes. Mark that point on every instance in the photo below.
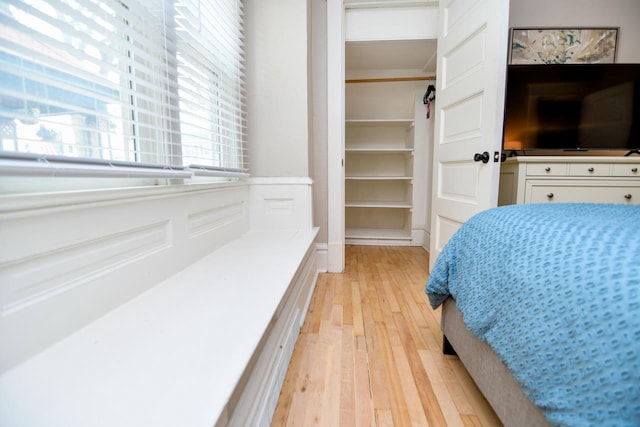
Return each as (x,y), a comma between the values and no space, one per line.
(570,108)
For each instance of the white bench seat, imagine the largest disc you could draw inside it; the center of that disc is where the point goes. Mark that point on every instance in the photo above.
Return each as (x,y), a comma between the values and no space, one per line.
(182,353)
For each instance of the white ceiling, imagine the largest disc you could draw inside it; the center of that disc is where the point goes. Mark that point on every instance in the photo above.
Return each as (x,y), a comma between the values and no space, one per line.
(391,55)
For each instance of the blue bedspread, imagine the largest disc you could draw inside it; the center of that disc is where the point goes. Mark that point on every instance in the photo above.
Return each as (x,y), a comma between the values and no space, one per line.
(554,289)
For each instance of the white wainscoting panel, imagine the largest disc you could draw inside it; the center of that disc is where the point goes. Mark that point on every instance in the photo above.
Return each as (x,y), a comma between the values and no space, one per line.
(281,203)
(322,250)
(42,275)
(67,260)
(209,220)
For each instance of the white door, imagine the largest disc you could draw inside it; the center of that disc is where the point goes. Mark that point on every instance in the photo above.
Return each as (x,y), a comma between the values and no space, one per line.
(472,62)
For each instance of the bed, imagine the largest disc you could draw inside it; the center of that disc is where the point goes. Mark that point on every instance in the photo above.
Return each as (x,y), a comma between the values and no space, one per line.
(541,302)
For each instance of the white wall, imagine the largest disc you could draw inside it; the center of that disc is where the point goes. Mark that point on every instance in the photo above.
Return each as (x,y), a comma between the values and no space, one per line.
(319,146)
(584,13)
(276,40)
(278,33)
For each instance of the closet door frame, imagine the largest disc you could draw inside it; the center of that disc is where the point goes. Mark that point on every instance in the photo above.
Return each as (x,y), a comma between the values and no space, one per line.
(335,135)
(408,21)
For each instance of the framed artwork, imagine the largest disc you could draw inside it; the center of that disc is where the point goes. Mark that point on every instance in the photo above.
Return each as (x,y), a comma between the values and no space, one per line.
(563,45)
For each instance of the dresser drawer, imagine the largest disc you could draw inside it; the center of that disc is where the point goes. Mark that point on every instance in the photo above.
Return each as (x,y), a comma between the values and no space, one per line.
(546,169)
(543,192)
(589,169)
(626,170)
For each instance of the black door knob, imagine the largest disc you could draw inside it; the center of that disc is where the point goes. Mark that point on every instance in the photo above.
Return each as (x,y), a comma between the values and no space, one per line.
(484,157)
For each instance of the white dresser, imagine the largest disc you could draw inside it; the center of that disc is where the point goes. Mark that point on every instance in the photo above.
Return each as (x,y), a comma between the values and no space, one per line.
(548,179)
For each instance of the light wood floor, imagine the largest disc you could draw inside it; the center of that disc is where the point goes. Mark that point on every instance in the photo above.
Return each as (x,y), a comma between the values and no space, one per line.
(369,353)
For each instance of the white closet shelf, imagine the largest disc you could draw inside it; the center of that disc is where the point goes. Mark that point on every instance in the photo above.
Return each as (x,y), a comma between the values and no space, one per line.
(380,122)
(379,150)
(380,162)
(375,204)
(377,233)
(374,178)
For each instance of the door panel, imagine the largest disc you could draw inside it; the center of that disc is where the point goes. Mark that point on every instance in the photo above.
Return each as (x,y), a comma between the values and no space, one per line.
(446,228)
(462,120)
(452,13)
(472,60)
(467,56)
(457,181)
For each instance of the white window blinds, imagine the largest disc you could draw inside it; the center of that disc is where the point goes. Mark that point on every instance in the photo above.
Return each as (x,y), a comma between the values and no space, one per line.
(122,88)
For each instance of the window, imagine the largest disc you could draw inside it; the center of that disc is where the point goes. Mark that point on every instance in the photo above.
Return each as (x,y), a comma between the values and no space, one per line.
(142,88)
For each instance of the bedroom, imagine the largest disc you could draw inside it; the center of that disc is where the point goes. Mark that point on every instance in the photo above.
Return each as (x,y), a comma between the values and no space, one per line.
(291,131)
(529,14)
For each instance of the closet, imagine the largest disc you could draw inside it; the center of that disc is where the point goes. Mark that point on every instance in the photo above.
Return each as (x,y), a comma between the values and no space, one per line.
(387,136)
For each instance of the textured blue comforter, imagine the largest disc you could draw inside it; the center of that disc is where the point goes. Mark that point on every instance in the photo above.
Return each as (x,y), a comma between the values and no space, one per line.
(554,289)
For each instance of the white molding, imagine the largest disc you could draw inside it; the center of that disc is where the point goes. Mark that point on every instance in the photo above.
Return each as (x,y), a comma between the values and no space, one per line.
(426,241)
(23,203)
(322,250)
(417,234)
(382,4)
(335,136)
(335,257)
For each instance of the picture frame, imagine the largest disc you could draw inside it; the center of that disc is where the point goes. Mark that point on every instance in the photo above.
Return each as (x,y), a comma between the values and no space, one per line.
(563,45)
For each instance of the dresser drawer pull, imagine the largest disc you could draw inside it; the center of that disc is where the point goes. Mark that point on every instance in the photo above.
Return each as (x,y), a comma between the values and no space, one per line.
(590,169)
(634,170)
(627,196)
(547,169)
(550,195)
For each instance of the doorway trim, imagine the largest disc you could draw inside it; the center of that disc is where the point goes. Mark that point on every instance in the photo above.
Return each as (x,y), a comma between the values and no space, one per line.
(335,136)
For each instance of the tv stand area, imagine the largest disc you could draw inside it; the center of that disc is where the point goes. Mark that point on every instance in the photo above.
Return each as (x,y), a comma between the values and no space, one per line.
(548,179)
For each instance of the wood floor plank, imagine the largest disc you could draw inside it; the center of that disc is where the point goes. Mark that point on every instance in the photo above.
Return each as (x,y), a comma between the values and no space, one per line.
(364,403)
(453,385)
(338,291)
(397,402)
(312,321)
(409,388)
(471,421)
(288,391)
(423,383)
(384,418)
(445,400)
(347,379)
(378,373)
(303,390)
(327,303)
(370,352)
(390,295)
(331,407)
(347,302)
(356,309)
(481,408)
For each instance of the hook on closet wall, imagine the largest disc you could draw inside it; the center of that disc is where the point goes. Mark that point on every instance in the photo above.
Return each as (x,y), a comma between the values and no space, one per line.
(429,97)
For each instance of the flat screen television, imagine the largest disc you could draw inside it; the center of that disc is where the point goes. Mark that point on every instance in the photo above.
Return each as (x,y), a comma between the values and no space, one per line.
(572,108)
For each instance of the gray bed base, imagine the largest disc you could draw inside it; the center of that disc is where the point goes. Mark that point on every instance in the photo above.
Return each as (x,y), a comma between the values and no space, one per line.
(492,378)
